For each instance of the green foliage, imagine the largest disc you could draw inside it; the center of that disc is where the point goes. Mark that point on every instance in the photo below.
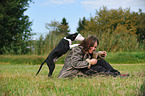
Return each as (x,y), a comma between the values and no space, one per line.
(40,46)
(52,27)
(14,26)
(109,19)
(120,39)
(140,17)
(81,25)
(56,32)
(63,28)
(116,29)
(58,29)
(44,45)
(20,80)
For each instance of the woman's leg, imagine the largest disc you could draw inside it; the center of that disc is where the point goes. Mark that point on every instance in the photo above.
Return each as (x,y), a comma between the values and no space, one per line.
(104,67)
(104,64)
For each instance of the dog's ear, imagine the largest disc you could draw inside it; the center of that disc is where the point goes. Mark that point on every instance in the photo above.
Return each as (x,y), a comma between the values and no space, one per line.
(74,35)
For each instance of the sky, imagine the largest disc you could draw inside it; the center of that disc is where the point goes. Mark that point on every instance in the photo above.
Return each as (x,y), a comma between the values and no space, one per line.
(44,11)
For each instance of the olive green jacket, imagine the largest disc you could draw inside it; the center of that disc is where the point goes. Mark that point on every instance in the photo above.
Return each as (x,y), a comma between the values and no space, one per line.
(74,61)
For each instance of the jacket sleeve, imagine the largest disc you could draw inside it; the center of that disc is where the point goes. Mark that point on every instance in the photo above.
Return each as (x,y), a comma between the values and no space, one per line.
(77,60)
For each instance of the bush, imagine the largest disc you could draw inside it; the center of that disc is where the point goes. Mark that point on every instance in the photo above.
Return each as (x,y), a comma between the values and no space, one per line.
(119,40)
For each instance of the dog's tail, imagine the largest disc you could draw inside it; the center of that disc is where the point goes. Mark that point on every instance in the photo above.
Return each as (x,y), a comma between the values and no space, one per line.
(40,67)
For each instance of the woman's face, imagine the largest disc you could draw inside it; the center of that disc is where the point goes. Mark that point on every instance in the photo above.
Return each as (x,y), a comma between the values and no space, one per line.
(93,48)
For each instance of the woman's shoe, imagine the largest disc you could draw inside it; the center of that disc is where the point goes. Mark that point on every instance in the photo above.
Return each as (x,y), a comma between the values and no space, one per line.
(124,75)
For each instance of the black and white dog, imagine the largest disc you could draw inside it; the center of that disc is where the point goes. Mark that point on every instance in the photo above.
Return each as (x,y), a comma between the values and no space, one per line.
(63,46)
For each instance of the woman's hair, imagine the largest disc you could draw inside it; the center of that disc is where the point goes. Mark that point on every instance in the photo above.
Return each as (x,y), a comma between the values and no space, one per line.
(89,42)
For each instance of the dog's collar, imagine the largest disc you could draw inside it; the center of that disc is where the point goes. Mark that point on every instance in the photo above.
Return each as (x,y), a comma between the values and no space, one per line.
(69,40)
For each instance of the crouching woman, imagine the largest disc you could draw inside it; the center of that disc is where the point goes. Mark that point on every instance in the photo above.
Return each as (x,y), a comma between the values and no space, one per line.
(80,61)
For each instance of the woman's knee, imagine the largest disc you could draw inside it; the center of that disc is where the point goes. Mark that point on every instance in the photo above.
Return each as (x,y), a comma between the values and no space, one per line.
(101,61)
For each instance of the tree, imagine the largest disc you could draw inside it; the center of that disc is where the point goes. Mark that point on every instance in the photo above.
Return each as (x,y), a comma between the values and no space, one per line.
(111,25)
(53,35)
(63,28)
(109,19)
(14,25)
(58,29)
(81,25)
(52,27)
(121,39)
(140,17)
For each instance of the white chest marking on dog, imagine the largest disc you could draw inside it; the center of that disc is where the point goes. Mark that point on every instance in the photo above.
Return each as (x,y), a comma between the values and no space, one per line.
(74,45)
(68,40)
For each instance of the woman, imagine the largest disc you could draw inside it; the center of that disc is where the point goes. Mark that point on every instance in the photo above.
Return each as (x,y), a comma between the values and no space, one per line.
(80,61)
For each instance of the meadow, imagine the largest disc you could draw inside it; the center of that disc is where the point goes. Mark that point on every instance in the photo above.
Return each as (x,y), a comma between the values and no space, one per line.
(20,80)
(17,77)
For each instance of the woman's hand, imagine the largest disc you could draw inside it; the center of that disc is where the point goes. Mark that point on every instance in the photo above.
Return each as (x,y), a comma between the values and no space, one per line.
(92,61)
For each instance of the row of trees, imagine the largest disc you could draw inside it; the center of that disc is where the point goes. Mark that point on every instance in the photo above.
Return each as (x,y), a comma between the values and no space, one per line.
(117,30)
(109,20)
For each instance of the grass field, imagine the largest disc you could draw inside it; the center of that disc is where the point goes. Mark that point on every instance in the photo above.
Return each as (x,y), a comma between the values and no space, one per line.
(20,80)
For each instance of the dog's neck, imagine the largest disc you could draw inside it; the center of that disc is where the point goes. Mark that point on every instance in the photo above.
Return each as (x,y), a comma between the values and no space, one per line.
(69,40)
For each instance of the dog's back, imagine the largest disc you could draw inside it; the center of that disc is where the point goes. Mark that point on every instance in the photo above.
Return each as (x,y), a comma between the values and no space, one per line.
(62,47)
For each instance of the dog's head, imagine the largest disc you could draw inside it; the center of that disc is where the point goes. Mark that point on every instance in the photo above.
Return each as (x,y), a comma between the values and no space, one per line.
(75,37)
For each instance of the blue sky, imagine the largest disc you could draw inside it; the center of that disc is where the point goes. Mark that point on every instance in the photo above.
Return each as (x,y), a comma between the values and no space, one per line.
(44,11)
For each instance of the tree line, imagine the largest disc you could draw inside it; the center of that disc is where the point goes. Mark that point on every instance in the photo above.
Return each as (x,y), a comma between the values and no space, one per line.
(117,30)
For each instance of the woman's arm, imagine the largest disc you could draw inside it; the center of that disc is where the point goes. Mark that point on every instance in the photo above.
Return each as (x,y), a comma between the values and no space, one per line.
(77,59)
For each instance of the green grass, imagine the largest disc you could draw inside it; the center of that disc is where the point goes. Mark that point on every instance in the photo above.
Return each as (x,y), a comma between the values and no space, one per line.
(20,80)
(126,57)
(22,59)
(113,58)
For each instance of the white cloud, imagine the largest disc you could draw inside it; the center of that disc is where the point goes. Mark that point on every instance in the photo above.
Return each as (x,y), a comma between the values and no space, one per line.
(134,5)
(57,2)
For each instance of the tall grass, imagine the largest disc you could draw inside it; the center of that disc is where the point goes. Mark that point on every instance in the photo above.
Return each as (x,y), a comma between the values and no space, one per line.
(113,58)
(20,80)
(126,57)
(21,59)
